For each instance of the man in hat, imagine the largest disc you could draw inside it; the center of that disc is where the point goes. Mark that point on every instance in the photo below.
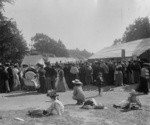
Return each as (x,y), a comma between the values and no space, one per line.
(56,108)
(78,93)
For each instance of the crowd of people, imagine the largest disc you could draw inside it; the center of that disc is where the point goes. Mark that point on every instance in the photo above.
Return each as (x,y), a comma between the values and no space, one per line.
(59,77)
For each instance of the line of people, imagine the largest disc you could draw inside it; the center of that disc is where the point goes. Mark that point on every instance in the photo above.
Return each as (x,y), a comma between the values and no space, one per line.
(9,78)
(60,76)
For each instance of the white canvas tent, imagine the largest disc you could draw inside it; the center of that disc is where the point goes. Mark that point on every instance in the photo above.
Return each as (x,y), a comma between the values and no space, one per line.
(53,60)
(33,60)
(131,48)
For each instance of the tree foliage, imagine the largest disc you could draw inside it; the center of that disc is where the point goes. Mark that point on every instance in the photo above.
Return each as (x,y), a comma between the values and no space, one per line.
(13,47)
(45,44)
(76,53)
(139,29)
(117,41)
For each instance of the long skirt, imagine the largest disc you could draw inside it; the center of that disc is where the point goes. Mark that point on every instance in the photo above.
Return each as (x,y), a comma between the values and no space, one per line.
(42,88)
(61,85)
(48,83)
(143,86)
(16,85)
(136,76)
(119,78)
(2,86)
(130,79)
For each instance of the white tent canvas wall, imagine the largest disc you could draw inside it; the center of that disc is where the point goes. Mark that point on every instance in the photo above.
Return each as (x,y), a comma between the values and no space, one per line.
(53,60)
(33,60)
(134,48)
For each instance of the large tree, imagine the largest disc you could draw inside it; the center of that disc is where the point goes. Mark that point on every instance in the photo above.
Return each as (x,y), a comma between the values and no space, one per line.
(117,41)
(138,30)
(13,47)
(76,53)
(44,44)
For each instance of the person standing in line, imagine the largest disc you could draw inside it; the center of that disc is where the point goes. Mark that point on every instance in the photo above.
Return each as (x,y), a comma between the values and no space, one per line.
(67,75)
(105,69)
(42,80)
(6,80)
(99,81)
(96,70)
(74,72)
(88,74)
(118,75)
(143,85)
(82,72)
(136,71)
(4,85)
(17,84)
(53,77)
(61,85)
(129,73)
(111,73)
(48,75)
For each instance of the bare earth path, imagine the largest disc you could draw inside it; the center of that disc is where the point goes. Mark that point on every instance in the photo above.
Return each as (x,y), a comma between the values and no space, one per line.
(17,104)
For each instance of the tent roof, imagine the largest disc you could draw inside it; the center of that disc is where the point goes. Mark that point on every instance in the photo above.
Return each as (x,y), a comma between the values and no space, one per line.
(136,47)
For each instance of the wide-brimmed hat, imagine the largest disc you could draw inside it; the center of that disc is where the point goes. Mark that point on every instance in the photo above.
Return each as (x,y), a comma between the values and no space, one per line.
(39,65)
(76,81)
(146,64)
(47,63)
(52,94)
(133,92)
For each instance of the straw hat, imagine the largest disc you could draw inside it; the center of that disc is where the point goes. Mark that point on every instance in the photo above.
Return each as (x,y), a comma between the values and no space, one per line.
(146,64)
(47,63)
(39,65)
(76,81)
(133,92)
(52,94)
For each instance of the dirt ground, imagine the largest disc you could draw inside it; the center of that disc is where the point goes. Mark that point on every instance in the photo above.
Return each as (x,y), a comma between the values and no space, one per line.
(17,104)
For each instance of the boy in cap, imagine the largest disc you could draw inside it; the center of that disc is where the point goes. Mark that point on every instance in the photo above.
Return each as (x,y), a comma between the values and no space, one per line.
(78,93)
(132,102)
(99,81)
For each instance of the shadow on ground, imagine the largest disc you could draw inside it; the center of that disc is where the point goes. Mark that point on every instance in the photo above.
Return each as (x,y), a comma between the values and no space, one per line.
(22,94)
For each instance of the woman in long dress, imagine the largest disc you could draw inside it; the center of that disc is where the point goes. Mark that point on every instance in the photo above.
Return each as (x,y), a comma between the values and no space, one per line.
(16,78)
(42,79)
(61,85)
(143,85)
(118,75)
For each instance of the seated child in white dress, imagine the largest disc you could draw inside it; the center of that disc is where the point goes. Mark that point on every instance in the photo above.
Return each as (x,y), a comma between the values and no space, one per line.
(78,93)
(56,108)
(132,102)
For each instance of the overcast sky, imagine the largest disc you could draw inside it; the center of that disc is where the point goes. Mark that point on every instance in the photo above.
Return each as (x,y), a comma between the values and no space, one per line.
(83,24)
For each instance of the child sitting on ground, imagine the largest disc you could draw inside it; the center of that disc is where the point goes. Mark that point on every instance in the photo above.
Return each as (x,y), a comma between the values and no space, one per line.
(131,103)
(78,93)
(99,81)
(56,108)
